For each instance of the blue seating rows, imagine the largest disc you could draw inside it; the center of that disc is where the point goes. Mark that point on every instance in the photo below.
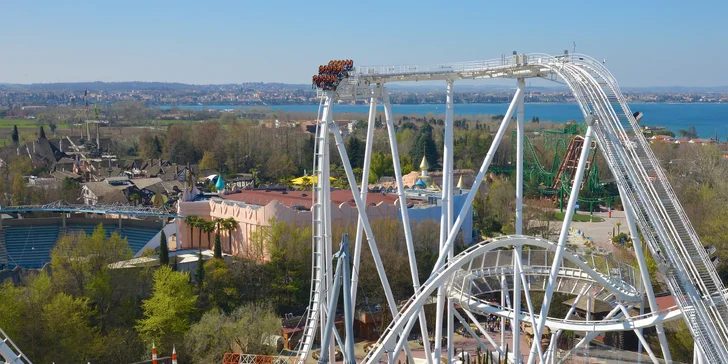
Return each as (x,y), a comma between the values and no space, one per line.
(30,246)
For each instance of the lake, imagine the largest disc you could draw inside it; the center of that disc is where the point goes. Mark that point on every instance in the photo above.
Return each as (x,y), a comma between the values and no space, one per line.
(708,119)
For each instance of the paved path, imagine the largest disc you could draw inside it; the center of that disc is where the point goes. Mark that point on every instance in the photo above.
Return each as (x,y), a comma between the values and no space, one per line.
(461,343)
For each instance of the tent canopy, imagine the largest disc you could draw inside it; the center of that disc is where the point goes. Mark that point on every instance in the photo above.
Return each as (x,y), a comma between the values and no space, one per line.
(308,180)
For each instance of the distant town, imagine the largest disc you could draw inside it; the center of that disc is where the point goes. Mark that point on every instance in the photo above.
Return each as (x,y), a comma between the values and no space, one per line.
(266,94)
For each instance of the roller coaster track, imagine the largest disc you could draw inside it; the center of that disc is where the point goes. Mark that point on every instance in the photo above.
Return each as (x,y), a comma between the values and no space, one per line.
(671,239)
(689,273)
(653,208)
(458,274)
(9,352)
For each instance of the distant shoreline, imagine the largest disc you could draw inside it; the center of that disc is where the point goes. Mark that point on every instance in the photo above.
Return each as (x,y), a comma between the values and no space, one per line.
(708,118)
(233,106)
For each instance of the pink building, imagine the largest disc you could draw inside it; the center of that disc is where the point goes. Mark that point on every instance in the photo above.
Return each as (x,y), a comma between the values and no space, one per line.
(255,209)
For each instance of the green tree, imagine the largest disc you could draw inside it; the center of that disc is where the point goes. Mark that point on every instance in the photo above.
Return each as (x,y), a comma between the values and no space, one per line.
(200,271)
(15,136)
(70,190)
(249,329)
(289,261)
(230,225)
(380,166)
(424,144)
(208,227)
(405,162)
(209,161)
(183,152)
(218,246)
(690,133)
(66,327)
(279,165)
(18,191)
(167,312)
(150,147)
(80,265)
(47,326)
(219,288)
(355,150)
(163,249)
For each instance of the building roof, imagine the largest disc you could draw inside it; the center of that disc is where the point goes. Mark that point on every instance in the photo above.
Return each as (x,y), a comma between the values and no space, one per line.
(143,183)
(303,198)
(41,150)
(424,165)
(107,193)
(65,174)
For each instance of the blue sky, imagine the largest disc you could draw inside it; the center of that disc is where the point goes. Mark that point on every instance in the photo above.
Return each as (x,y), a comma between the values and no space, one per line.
(645,43)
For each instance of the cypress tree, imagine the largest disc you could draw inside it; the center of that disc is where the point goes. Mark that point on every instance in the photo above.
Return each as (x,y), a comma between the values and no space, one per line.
(356,152)
(157,146)
(15,136)
(163,249)
(200,273)
(218,246)
(42,133)
(424,143)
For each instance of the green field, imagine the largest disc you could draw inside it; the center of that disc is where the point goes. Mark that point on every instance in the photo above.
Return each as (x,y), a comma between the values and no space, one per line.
(24,124)
(579,217)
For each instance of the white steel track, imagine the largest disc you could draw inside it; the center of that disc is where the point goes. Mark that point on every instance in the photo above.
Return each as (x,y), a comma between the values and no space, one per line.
(653,208)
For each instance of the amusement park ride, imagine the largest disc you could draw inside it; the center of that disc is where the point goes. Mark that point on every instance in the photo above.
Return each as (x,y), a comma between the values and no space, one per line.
(510,266)
(494,266)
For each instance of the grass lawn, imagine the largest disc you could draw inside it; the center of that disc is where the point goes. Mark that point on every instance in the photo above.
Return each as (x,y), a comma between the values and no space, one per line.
(579,217)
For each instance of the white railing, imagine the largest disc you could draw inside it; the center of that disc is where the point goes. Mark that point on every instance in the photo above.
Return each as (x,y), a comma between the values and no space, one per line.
(10,352)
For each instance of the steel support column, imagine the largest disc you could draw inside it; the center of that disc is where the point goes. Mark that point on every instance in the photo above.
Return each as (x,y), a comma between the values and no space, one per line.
(361,209)
(448,188)
(364,182)
(404,213)
(517,254)
(558,256)
(468,201)
(644,273)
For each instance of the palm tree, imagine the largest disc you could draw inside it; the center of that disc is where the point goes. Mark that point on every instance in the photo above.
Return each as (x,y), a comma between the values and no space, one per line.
(191,221)
(199,224)
(209,228)
(135,198)
(618,225)
(230,225)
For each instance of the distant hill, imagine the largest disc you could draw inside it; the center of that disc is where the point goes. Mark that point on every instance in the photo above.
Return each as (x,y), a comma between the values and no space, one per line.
(137,85)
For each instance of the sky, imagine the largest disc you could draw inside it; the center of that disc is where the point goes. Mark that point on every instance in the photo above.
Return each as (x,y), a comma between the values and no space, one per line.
(645,42)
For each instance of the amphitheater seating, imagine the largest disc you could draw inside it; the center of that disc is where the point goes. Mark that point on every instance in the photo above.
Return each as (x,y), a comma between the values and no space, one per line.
(138,237)
(30,246)
(89,229)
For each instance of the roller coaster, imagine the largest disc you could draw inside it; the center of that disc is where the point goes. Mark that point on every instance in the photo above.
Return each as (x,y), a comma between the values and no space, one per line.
(511,265)
(556,180)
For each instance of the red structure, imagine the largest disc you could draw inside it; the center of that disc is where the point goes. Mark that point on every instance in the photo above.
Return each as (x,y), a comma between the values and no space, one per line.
(154,354)
(568,165)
